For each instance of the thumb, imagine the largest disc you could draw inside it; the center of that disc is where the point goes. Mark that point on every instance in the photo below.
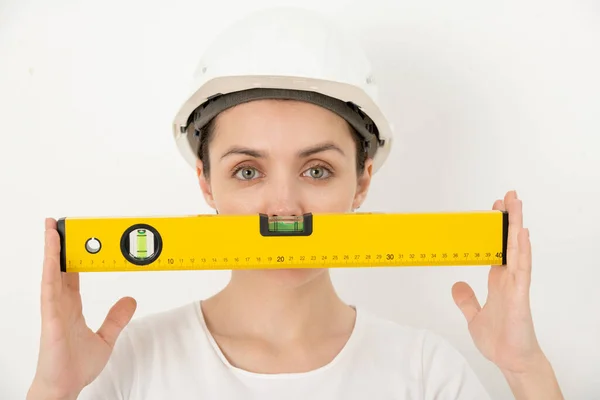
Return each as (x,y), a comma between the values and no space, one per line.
(465,299)
(117,318)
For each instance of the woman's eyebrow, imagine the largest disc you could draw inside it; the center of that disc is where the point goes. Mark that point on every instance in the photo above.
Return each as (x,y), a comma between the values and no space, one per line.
(302,153)
(243,150)
(320,148)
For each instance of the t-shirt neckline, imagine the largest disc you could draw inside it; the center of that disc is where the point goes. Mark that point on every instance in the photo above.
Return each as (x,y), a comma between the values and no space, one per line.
(343,353)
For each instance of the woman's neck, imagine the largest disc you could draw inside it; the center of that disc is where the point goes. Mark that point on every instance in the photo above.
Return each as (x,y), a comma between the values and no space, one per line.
(279,307)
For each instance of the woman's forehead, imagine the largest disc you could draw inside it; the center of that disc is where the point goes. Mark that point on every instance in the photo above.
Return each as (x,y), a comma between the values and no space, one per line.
(292,122)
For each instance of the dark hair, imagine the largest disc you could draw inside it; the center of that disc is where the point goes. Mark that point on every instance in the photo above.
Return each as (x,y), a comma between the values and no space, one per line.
(207,132)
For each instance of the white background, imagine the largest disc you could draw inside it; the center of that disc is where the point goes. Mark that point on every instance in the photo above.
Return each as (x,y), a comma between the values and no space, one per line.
(485,96)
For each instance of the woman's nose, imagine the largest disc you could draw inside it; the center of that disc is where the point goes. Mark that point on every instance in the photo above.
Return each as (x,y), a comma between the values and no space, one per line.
(282,198)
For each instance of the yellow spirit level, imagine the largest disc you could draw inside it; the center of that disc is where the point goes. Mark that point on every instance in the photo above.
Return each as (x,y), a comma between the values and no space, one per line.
(210,242)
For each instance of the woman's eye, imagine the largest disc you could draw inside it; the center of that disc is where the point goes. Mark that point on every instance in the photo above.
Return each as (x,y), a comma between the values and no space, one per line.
(246,173)
(318,173)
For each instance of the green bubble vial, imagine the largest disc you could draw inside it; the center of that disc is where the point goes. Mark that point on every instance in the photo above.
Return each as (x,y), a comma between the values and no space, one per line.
(142,244)
(286,224)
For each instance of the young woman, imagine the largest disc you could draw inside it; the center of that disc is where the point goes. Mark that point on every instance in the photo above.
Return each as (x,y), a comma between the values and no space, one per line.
(283,120)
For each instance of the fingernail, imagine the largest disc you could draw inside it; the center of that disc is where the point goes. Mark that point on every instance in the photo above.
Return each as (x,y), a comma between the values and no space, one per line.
(516,197)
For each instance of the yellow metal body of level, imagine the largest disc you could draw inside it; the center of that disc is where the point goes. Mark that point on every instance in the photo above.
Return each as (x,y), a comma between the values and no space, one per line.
(211,242)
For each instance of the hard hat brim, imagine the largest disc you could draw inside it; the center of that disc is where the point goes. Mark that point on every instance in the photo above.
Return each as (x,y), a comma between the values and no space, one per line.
(316,91)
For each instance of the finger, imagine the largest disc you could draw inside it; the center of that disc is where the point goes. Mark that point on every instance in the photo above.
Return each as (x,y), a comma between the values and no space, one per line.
(51,275)
(465,299)
(117,318)
(50,223)
(71,280)
(525,263)
(515,224)
(498,206)
(510,196)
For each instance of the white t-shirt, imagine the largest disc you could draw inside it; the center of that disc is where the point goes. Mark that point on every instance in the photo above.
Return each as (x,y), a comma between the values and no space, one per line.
(172,355)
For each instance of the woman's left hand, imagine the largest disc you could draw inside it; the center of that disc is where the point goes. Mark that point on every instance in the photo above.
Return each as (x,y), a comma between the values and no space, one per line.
(503,329)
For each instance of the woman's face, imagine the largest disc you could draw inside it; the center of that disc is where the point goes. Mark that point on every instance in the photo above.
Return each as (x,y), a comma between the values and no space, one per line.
(282,158)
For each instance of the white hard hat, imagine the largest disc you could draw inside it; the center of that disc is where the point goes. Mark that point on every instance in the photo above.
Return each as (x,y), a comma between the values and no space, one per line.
(284,53)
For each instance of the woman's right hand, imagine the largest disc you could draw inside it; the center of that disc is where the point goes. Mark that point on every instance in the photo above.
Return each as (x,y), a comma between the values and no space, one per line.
(71,355)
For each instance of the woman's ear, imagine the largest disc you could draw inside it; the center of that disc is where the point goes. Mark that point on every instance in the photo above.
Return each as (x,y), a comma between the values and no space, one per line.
(363,184)
(205,185)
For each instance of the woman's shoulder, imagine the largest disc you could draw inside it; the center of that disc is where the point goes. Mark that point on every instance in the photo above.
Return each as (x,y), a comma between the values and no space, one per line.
(159,338)
(151,351)
(181,314)
(400,342)
(402,350)
(165,326)
(387,331)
